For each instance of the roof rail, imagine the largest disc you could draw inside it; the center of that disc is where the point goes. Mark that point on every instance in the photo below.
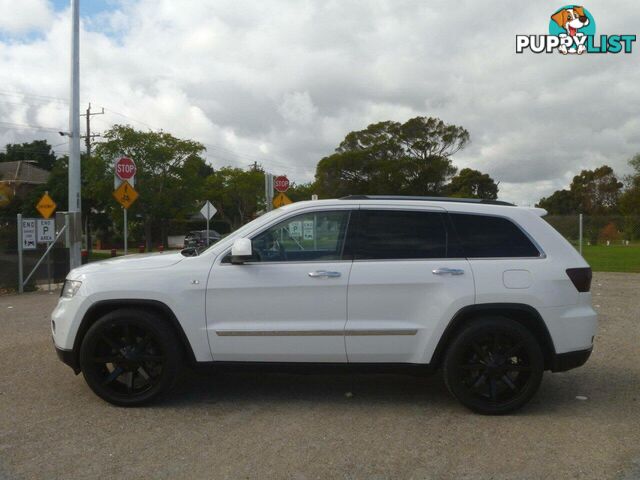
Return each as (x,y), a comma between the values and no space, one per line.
(427,199)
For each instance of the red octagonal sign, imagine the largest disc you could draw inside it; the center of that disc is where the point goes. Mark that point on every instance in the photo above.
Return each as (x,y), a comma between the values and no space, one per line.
(125,168)
(281,183)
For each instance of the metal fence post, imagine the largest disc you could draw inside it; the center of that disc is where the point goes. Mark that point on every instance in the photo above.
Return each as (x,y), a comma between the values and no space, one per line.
(125,231)
(20,270)
(580,234)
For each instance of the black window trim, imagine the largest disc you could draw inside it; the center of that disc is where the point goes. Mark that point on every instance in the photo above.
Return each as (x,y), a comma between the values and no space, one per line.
(541,253)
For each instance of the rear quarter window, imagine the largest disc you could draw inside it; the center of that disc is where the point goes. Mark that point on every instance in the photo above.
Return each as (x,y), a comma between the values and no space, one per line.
(486,236)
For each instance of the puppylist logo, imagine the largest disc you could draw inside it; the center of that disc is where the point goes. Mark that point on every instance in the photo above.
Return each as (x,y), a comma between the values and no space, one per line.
(572,30)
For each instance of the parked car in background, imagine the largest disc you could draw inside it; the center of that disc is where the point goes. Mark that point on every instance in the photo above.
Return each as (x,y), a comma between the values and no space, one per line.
(198,238)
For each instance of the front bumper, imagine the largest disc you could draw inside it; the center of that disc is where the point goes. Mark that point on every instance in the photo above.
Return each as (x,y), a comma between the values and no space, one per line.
(68,357)
(567,361)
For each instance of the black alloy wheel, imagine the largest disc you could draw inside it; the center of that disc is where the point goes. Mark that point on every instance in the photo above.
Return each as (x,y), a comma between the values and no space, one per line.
(129,357)
(494,366)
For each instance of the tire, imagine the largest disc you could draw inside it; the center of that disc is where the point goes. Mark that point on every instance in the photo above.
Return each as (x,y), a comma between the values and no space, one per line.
(130,357)
(493,366)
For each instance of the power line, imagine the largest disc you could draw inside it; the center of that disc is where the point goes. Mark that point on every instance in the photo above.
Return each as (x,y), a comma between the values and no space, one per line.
(17,126)
(42,98)
(34,105)
(238,157)
(131,118)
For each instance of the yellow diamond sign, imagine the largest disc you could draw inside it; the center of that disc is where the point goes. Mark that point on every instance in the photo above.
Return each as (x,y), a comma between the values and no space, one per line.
(125,194)
(46,206)
(6,193)
(281,200)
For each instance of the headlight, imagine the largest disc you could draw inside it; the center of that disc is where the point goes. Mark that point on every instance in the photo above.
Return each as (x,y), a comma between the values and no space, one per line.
(70,288)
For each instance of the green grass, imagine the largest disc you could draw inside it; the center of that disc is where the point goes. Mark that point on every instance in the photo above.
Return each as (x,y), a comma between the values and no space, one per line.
(615,258)
(97,256)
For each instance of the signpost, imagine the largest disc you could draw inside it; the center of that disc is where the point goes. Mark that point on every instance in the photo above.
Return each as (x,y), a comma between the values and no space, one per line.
(295,229)
(45,230)
(6,194)
(208,211)
(28,234)
(125,169)
(46,206)
(42,230)
(124,179)
(125,194)
(281,183)
(281,200)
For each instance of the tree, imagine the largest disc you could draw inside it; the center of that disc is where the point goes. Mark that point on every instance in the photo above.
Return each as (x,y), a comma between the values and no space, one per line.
(412,158)
(301,192)
(630,199)
(609,233)
(38,150)
(236,193)
(592,192)
(96,187)
(560,202)
(168,176)
(473,184)
(597,191)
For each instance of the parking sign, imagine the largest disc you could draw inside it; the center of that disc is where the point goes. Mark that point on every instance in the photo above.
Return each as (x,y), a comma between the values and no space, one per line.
(45,230)
(28,233)
(295,229)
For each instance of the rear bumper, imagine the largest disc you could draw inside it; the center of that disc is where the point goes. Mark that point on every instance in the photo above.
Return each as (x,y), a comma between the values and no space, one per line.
(68,357)
(567,361)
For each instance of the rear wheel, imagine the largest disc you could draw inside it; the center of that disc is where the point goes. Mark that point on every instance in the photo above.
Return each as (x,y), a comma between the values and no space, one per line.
(494,366)
(129,357)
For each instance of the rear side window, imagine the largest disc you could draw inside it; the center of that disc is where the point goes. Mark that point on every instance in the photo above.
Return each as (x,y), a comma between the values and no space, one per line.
(395,234)
(484,236)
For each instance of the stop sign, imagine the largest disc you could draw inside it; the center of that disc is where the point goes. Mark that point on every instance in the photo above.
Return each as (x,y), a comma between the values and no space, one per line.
(281,183)
(125,168)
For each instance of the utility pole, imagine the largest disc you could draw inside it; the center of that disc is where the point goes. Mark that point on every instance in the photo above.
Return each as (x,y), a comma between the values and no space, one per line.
(89,136)
(268,191)
(87,141)
(75,206)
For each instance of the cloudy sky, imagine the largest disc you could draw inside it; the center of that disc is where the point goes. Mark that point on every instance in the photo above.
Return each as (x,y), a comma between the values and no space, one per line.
(282,82)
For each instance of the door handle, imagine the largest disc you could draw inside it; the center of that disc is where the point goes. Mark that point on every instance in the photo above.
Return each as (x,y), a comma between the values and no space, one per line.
(324,274)
(448,271)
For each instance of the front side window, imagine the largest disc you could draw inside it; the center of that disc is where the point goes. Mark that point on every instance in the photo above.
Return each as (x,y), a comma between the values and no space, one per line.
(396,234)
(485,236)
(310,237)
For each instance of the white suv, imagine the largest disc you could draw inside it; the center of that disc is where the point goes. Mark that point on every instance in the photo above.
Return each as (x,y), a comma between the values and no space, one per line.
(486,291)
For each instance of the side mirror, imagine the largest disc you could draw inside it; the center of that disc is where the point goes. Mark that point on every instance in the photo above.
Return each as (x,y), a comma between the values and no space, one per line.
(241,251)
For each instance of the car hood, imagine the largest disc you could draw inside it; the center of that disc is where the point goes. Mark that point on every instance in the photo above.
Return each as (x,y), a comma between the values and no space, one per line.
(144,261)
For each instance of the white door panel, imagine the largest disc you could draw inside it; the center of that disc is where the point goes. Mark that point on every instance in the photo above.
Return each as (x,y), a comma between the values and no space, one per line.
(277,312)
(397,309)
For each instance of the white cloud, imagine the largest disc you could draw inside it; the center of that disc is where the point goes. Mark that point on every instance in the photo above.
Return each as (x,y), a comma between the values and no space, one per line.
(24,15)
(297,108)
(283,82)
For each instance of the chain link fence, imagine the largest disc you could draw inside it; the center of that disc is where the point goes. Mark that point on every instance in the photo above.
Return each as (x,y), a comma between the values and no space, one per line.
(610,243)
(55,268)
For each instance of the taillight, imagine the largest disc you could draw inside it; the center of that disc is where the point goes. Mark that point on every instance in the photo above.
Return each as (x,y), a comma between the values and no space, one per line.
(581,278)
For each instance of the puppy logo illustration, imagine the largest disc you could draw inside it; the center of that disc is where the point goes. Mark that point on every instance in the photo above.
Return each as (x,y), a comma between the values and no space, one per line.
(572,30)
(571,20)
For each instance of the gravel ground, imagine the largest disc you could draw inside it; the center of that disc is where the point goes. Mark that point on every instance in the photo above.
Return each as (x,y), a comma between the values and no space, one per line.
(314,426)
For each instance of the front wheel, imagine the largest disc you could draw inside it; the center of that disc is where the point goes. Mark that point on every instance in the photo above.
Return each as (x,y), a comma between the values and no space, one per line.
(493,366)
(129,357)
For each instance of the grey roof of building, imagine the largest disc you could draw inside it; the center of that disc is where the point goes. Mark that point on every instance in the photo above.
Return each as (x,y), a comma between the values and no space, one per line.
(22,171)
